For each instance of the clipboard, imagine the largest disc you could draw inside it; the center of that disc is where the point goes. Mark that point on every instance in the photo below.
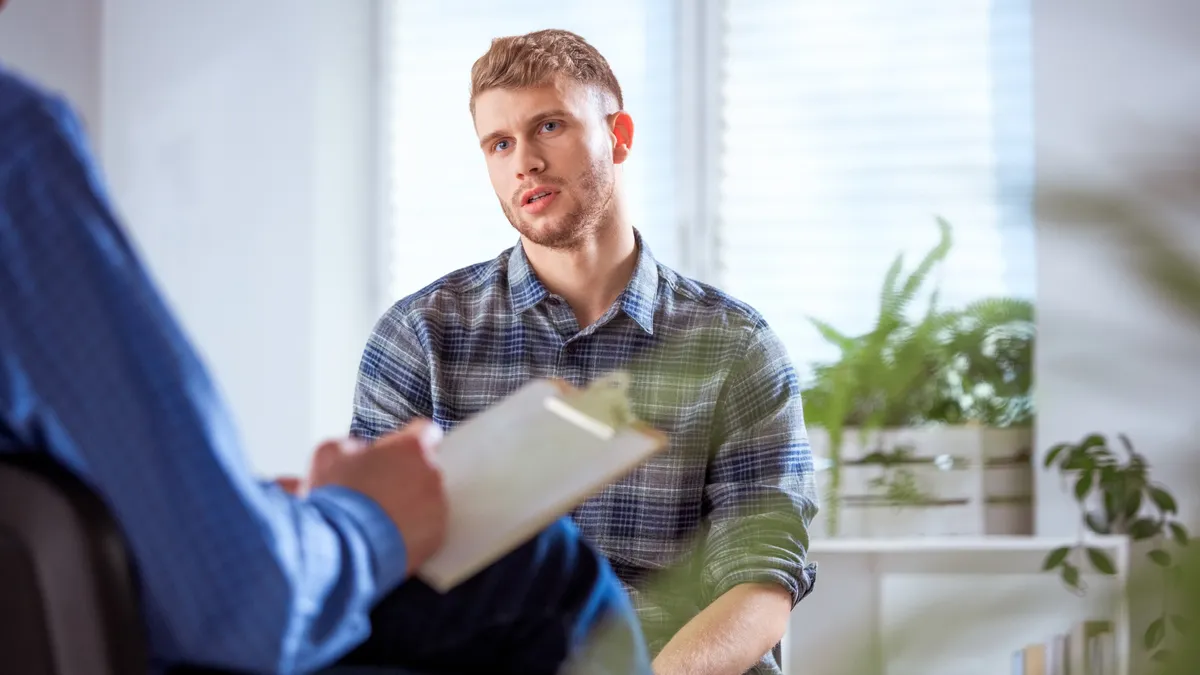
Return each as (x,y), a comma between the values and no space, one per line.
(530,459)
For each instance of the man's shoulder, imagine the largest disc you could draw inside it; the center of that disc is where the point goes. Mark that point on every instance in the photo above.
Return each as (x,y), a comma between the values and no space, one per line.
(689,298)
(16,92)
(21,96)
(461,292)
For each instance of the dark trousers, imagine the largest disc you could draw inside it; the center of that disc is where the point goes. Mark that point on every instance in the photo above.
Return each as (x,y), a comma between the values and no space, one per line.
(553,605)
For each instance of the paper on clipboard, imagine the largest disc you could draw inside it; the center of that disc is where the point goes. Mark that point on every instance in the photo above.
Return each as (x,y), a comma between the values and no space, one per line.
(523,463)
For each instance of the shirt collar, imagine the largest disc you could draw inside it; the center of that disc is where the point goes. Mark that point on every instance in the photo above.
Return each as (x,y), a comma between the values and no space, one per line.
(641,295)
(523,285)
(637,300)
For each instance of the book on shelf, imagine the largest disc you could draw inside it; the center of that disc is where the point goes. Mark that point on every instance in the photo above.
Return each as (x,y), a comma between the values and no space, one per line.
(1089,648)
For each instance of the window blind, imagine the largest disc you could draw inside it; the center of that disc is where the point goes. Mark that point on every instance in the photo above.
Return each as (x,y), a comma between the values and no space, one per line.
(846,127)
(441,210)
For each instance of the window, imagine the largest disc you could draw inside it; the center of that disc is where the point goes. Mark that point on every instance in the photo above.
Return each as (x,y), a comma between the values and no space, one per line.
(846,128)
(786,150)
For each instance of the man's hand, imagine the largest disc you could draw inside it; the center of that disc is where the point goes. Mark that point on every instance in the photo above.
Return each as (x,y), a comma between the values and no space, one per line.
(291,485)
(400,472)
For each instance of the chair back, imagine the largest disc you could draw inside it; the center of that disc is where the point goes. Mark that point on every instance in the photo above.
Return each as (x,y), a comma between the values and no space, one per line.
(68,597)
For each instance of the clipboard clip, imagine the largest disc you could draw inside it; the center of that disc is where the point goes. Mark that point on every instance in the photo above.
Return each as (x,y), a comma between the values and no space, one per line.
(602,408)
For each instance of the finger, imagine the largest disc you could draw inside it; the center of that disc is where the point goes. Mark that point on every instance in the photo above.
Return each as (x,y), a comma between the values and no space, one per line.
(290,484)
(326,457)
(427,433)
(420,434)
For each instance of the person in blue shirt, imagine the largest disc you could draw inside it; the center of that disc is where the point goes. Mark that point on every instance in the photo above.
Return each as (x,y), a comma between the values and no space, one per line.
(237,573)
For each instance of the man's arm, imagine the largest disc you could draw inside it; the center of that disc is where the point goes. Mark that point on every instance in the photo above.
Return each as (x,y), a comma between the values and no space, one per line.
(731,634)
(94,369)
(394,384)
(762,498)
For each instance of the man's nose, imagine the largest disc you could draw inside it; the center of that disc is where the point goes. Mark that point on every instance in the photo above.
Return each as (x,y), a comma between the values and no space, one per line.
(530,164)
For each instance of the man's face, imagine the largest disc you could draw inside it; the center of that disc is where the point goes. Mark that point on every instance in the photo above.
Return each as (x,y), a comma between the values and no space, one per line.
(551,153)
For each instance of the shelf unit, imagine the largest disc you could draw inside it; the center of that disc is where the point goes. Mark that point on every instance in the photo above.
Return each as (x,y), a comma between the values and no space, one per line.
(944,605)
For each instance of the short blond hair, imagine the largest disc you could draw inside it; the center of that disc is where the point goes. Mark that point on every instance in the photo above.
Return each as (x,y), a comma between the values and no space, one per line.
(538,58)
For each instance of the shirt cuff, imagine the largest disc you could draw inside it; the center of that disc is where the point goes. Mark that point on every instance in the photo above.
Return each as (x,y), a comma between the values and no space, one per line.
(798,584)
(389,554)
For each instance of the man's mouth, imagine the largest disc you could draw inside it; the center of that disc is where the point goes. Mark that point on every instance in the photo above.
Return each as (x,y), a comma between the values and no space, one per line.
(538,199)
(540,194)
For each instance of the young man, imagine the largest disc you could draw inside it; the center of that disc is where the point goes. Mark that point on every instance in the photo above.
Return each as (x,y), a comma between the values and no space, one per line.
(727,508)
(234,573)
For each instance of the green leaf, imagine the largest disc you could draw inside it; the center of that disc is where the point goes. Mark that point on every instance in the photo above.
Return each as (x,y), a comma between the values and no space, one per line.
(1163,500)
(1125,442)
(1054,453)
(1144,528)
(1070,575)
(1110,499)
(1179,533)
(1083,485)
(1155,633)
(1133,503)
(1079,460)
(1161,656)
(832,335)
(1092,441)
(1160,557)
(1056,558)
(1181,624)
(1100,561)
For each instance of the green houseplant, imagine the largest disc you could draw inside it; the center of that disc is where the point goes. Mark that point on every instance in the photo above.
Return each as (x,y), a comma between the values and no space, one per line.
(938,366)
(1116,496)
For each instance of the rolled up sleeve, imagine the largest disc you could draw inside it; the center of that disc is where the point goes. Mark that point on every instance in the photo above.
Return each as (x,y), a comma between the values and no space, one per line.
(394,380)
(761,493)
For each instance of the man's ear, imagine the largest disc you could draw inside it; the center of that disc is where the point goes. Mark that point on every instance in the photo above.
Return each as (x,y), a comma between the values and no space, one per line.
(622,135)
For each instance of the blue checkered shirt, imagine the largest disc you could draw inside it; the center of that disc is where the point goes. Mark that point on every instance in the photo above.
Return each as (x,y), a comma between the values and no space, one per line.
(731,499)
(96,372)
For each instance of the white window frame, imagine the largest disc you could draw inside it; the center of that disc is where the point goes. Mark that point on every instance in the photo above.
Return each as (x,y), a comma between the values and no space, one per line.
(384,222)
(698,161)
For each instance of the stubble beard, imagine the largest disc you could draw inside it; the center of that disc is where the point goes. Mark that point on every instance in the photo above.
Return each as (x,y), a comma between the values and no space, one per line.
(593,192)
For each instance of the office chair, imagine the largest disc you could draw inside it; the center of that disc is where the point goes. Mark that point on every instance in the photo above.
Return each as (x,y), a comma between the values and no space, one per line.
(68,597)
(68,594)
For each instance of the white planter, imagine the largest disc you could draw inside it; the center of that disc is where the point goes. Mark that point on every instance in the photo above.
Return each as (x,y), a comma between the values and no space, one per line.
(985,486)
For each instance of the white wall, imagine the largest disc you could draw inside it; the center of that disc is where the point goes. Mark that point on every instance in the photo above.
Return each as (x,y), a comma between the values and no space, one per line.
(1117,95)
(237,143)
(57,44)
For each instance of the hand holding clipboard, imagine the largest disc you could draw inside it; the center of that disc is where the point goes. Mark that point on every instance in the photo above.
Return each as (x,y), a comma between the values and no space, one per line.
(523,463)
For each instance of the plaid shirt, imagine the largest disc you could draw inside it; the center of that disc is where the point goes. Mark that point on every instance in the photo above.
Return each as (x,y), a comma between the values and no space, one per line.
(729,502)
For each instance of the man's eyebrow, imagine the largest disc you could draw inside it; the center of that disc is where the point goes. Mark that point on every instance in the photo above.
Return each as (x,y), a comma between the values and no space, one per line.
(491,138)
(557,112)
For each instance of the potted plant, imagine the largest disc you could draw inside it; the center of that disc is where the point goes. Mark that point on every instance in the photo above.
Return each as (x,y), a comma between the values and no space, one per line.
(907,385)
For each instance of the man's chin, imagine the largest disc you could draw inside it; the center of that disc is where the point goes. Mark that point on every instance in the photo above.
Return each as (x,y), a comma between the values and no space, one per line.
(549,235)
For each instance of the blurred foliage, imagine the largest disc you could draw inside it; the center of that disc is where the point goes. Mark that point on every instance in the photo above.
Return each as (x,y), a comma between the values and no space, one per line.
(896,482)
(1116,496)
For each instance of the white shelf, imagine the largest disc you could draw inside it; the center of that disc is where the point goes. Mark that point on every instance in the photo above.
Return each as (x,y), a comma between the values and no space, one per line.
(943,605)
(958,555)
(991,544)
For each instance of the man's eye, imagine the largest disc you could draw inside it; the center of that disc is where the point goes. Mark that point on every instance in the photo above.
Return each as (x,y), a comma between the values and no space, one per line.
(549,126)
(500,146)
